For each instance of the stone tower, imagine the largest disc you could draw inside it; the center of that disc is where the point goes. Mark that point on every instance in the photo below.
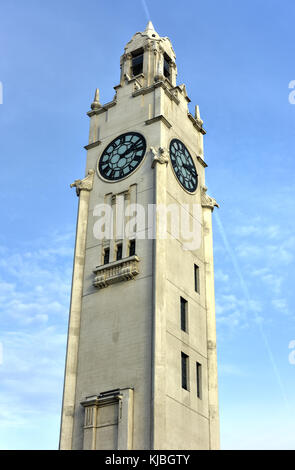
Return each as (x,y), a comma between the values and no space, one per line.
(141,366)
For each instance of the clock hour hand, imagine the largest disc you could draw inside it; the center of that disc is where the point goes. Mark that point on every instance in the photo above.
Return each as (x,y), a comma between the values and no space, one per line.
(186,167)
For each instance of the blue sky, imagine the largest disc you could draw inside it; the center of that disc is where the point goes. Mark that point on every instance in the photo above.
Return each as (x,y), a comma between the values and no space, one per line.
(237,60)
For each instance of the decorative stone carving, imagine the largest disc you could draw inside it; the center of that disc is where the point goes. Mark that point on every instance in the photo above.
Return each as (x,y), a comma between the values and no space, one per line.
(147,46)
(160,155)
(122,270)
(86,183)
(96,103)
(206,200)
(197,116)
(138,82)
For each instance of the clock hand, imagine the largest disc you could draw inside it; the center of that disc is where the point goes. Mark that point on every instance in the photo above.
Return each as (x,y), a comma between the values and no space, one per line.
(186,166)
(129,150)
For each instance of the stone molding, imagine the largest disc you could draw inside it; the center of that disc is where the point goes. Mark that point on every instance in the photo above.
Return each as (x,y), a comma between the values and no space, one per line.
(207,201)
(197,123)
(103,399)
(84,184)
(92,145)
(111,273)
(159,118)
(171,93)
(103,108)
(201,161)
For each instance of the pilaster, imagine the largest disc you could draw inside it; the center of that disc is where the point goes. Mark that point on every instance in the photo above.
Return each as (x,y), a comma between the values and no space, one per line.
(208,205)
(83,188)
(158,436)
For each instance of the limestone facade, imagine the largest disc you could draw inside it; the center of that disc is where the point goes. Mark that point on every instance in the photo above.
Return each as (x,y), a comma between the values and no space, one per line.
(123,378)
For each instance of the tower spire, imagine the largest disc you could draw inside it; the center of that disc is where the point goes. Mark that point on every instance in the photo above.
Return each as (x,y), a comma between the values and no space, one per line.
(150,30)
(149,27)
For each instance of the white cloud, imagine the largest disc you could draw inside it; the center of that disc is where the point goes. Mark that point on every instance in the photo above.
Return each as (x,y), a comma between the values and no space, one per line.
(219,275)
(258,230)
(230,370)
(34,302)
(281,305)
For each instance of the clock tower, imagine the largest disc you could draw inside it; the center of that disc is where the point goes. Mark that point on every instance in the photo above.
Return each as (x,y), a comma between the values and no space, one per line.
(141,365)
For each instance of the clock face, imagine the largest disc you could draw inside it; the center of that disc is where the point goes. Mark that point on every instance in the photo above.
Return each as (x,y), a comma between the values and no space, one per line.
(122,156)
(183,166)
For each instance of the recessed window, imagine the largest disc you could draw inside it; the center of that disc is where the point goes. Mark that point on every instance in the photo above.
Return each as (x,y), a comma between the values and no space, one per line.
(183,314)
(197,278)
(167,62)
(199,379)
(184,371)
(106,256)
(137,62)
(119,251)
(132,247)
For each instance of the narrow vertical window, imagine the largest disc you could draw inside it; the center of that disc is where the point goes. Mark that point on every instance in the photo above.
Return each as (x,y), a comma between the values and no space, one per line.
(119,251)
(167,66)
(106,256)
(183,314)
(184,371)
(137,62)
(199,380)
(197,279)
(132,247)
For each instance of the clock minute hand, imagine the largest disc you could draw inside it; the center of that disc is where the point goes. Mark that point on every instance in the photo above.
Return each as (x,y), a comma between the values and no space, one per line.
(129,150)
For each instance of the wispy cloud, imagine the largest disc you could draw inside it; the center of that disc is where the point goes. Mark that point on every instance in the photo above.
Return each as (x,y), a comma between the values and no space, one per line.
(34,302)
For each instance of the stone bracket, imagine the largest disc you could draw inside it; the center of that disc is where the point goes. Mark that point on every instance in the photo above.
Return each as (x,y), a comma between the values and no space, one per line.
(160,155)
(206,200)
(85,184)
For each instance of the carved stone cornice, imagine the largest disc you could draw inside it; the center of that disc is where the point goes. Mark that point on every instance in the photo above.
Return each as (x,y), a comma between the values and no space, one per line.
(207,201)
(92,145)
(197,123)
(103,108)
(159,118)
(201,161)
(171,94)
(84,184)
(160,155)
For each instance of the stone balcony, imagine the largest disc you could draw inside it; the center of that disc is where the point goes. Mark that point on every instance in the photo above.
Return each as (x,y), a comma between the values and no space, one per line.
(111,273)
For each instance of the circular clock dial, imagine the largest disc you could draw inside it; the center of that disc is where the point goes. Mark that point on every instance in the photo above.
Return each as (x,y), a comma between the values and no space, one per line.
(183,165)
(122,156)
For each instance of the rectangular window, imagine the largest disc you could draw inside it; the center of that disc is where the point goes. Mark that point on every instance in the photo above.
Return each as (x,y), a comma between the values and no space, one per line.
(106,256)
(184,371)
(183,314)
(137,62)
(167,66)
(197,279)
(132,247)
(199,380)
(119,251)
